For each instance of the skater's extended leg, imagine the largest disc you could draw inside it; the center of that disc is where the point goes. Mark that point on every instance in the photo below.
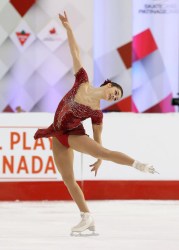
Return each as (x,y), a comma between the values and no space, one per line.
(63,158)
(86,145)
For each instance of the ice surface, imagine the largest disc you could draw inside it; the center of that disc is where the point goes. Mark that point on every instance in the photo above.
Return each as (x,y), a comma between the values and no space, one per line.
(124,225)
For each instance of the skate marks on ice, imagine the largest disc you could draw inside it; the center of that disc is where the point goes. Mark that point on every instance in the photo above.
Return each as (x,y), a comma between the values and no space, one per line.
(84,234)
(125,225)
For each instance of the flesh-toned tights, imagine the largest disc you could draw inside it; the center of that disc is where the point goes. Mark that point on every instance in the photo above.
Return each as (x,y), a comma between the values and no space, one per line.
(63,158)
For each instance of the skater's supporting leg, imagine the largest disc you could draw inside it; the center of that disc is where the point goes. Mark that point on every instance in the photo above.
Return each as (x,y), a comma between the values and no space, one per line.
(63,158)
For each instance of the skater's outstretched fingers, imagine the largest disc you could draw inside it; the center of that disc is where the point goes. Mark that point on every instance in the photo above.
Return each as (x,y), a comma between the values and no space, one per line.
(95,166)
(64,20)
(65,16)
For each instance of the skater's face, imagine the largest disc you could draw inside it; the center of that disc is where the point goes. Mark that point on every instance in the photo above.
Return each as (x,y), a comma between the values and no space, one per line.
(112,93)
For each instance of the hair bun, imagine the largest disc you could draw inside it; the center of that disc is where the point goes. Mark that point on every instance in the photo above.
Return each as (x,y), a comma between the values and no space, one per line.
(107,81)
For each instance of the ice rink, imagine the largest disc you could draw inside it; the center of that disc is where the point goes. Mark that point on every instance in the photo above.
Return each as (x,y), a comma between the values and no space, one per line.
(124,225)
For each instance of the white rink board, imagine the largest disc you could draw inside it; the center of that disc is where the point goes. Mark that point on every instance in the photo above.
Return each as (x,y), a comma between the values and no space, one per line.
(151,138)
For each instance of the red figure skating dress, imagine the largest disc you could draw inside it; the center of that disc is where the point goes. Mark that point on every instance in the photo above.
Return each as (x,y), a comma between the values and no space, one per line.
(70,114)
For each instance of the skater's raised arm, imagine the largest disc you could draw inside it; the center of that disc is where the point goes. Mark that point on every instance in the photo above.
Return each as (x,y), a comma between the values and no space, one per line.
(72,43)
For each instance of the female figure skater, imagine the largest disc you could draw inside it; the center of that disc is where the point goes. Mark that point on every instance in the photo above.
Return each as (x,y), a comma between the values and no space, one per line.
(80,103)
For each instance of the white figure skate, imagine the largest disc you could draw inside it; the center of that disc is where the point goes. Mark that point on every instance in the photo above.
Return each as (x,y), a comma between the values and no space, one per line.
(146,168)
(87,222)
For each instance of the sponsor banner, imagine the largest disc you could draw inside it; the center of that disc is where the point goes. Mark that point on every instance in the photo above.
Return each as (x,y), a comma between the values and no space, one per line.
(155,55)
(144,137)
(53,35)
(25,159)
(22,36)
(28,172)
(158,7)
(35,53)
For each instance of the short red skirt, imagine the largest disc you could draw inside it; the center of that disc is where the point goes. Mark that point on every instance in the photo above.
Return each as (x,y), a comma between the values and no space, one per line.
(62,136)
(63,139)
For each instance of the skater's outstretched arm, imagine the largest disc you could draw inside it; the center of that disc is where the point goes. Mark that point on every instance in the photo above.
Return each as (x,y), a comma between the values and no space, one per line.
(72,43)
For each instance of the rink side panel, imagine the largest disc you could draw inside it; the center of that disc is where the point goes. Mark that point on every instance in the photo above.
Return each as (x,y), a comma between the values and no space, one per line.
(28,172)
(93,190)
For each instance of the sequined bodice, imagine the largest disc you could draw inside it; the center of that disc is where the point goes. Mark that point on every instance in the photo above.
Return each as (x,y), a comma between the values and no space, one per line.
(69,113)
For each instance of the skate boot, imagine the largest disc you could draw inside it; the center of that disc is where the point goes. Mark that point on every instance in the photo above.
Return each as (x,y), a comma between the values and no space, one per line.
(146,168)
(87,222)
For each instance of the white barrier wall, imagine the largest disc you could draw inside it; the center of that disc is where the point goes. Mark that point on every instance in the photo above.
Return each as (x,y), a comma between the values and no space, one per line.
(151,138)
(27,170)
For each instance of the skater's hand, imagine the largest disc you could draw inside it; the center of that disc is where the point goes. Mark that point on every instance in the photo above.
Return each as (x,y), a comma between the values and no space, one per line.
(64,20)
(95,166)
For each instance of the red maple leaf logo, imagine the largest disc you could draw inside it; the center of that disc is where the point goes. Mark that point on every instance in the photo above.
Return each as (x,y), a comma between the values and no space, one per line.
(53,31)
(22,36)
